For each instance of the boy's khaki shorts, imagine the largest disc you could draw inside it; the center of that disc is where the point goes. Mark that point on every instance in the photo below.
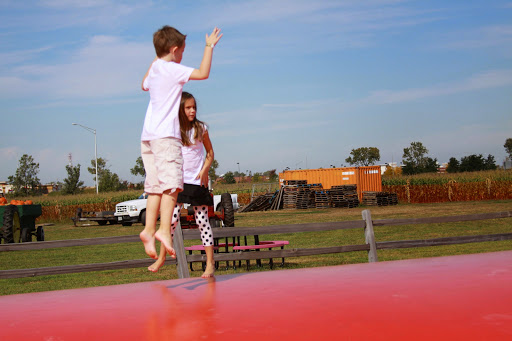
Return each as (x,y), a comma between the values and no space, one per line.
(163,163)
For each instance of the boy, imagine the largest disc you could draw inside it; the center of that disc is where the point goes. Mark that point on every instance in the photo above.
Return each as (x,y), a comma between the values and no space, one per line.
(161,138)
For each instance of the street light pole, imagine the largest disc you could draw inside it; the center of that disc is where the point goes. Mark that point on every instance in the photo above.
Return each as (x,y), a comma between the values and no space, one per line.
(95,150)
(238,163)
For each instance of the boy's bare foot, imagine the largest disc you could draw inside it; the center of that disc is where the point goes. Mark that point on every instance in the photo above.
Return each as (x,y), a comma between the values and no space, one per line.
(209,271)
(149,244)
(166,242)
(156,265)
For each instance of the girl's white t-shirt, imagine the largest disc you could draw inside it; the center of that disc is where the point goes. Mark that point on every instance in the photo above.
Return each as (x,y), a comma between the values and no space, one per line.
(165,82)
(193,159)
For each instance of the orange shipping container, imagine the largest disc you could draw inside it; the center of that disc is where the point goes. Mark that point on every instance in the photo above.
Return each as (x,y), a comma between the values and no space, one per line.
(366,178)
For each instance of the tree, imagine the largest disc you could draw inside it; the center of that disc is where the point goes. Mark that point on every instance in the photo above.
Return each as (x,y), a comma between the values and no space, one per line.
(416,160)
(229,178)
(364,156)
(272,175)
(107,181)
(213,167)
(431,166)
(471,163)
(138,169)
(392,171)
(102,165)
(453,165)
(474,163)
(508,147)
(256,177)
(110,182)
(72,184)
(25,181)
(490,163)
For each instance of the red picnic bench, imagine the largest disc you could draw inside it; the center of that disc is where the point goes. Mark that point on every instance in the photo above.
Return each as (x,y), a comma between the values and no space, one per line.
(201,248)
(262,245)
(242,248)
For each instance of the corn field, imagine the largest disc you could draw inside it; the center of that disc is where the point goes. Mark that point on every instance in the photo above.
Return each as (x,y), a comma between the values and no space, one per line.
(59,207)
(430,188)
(245,187)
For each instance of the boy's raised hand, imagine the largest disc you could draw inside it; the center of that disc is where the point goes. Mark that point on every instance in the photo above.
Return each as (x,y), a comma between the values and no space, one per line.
(213,38)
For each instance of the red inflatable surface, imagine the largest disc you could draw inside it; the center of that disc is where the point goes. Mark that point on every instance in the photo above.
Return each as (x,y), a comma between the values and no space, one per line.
(465,297)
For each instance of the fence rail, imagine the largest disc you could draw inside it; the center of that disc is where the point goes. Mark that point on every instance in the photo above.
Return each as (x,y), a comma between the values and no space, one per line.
(367,224)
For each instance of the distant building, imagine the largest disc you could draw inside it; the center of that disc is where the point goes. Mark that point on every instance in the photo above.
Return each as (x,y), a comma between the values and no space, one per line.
(48,188)
(5,188)
(44,189)
(385,166)
(239,179)
(507,164)
(442,168)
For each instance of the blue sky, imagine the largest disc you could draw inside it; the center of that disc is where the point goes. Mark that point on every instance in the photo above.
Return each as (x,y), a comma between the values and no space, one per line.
(294,84)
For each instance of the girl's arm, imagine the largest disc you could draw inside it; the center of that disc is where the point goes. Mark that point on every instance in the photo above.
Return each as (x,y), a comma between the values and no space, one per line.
(146,75)
(203,174)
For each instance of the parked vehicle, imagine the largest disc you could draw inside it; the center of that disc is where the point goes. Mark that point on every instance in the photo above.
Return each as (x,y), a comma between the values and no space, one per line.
(134,211)
(18,223)
(101,217)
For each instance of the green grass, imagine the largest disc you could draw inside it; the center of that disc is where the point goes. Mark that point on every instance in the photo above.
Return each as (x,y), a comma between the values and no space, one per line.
(117,252)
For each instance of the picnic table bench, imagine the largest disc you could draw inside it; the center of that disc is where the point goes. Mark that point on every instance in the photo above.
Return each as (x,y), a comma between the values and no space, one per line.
(262,245)
(241,248)
(200,248)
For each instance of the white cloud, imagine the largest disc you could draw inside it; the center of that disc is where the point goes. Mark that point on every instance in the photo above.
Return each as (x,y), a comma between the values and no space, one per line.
(51,164)
(267,10)
(287,117)
(13,57)
(9,157)
(8,154)
(303,105)
(486,80)
(289,27)
(497,36)
(54,15)
(298,126)
(75,4)
(107,66)
(466,140)
(346,15)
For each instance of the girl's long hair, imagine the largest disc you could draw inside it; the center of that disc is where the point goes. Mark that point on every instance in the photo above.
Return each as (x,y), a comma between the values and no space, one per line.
(186,125)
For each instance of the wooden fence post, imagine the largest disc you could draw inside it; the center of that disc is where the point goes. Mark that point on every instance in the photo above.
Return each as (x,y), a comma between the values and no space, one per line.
(369,236)
(181,257)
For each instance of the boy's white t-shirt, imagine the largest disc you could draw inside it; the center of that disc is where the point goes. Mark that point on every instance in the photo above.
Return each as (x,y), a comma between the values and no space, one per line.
(165,82)
(193,159)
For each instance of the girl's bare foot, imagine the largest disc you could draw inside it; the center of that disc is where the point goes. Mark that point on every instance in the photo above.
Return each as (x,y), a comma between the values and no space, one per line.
(149,244)
(156,265)
(166,242)
(209,271)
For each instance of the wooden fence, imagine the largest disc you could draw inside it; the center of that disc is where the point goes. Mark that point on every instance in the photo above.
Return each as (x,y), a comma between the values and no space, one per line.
(366,224)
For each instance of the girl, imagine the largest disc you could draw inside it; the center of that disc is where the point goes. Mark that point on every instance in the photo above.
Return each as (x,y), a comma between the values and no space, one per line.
(195,138)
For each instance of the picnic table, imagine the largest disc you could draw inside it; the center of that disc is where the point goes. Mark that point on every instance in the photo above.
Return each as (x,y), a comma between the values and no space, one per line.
(235,246)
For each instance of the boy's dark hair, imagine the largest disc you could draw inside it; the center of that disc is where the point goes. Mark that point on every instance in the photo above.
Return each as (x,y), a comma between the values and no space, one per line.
(165,38)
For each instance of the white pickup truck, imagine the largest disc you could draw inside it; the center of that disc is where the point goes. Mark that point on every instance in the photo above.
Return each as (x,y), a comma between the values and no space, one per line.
(134,211)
